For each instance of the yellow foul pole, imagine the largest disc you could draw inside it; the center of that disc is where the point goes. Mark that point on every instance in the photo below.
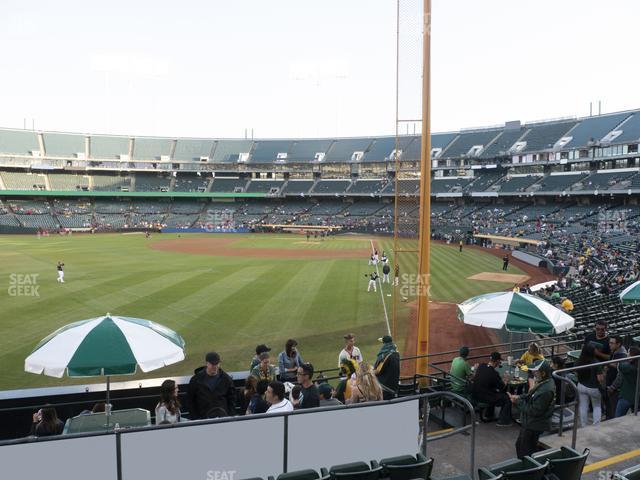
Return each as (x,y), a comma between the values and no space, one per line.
(425,196)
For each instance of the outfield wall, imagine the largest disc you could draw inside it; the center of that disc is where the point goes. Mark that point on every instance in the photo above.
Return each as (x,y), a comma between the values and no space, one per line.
(204,230)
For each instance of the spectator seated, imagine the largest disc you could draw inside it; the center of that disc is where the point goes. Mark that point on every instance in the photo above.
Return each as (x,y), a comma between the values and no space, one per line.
(564,463)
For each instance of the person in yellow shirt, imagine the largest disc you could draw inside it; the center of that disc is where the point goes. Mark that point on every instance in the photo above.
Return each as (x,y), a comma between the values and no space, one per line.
(531,355)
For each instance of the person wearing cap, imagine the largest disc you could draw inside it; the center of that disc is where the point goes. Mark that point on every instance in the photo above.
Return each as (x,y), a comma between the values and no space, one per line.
(489,388)
(386,269)
(387,367)
(350,351)
(460,372)
(326,396)
(536,408)
(264,371)
(211,391)
(567,304)
(373,278)
(348,369)
(256,359)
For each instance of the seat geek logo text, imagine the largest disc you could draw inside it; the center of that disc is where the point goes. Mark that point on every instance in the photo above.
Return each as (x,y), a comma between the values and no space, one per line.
(221,474)
(23,285)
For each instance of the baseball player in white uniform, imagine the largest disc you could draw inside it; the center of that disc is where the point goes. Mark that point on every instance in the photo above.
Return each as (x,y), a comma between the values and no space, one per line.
(386,269)
(60,268)
(373,277)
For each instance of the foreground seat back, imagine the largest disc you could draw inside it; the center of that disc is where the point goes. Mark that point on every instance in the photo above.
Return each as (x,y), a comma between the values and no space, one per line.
(516,469)
(307,474)
(349,467)
(565,463)
(534,473)
(407,467)
(373,474)
(632,473)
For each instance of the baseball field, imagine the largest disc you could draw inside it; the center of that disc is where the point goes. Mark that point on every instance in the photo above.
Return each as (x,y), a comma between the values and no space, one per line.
(222,292)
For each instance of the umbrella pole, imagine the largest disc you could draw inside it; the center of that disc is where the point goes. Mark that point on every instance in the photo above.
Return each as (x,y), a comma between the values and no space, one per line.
(108,407)
(510,344)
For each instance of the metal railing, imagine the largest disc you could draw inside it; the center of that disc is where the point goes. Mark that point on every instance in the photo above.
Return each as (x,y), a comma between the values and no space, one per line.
(463,402)
(553,343)
(561,375)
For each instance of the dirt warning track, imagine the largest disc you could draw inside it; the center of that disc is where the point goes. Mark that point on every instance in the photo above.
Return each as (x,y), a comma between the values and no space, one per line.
(223,247)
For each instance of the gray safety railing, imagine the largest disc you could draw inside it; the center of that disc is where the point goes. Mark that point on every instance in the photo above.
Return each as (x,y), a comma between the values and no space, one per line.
(424,408)
(562,376)
(463,402)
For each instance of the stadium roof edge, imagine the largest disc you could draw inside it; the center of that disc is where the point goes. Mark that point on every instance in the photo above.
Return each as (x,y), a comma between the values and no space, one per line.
(255,139)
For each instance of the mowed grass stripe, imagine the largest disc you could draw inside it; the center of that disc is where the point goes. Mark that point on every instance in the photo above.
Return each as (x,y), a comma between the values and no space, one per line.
(192,307)
(57,301)
(86,304)
(296,295)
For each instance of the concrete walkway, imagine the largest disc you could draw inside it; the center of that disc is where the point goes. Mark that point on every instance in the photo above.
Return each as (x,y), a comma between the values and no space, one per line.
(614,445)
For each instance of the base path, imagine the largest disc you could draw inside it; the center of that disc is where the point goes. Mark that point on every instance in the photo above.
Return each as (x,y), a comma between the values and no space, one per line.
(447,333)
(223,247)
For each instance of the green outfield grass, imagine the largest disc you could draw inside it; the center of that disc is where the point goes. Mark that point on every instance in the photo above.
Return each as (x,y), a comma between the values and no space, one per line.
(228,304)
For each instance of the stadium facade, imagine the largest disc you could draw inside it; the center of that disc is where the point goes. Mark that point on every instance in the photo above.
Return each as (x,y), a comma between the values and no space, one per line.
(51,180)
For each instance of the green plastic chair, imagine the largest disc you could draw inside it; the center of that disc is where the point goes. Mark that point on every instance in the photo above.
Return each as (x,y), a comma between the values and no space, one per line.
(564,463)
(355,471)
(631,473)
(515,469)
(407,467)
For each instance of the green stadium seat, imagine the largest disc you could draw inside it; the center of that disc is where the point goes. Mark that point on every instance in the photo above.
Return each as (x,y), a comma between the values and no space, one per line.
(355,471)
(407,467)
(564,463)
(515,469)
(308,474)
(631,473)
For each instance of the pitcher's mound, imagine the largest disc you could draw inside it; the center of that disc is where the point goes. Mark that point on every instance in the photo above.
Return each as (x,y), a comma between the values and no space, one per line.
(499,277)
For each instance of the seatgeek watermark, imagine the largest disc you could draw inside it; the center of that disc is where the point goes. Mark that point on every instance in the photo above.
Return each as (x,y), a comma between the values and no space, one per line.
(414,285)
(221,474)
(23,285)
(219,220)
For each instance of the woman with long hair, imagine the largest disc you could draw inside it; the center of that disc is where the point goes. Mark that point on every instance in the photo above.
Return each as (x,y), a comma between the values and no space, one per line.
(46,423)
(168,408)
(532,355)
(366,387)
(288,362)
(589,383)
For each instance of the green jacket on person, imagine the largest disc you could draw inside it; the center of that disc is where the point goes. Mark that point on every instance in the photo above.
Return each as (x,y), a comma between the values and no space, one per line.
(536,406)
(629,374)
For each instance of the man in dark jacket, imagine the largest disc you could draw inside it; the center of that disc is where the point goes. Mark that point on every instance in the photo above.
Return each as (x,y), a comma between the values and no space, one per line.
(387,367)
(489,388)
(211,392)
(536,408)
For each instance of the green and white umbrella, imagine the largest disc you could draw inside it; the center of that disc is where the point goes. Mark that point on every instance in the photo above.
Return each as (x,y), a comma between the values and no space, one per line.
(104,346)
(631,294)
(515,312)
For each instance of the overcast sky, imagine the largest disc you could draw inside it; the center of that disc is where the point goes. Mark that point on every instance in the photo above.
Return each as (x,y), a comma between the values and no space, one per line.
(298,68)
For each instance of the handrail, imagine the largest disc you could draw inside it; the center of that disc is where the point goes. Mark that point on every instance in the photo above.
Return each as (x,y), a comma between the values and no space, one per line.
(553,340)
(556,341)
(561,376)
(471,426)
